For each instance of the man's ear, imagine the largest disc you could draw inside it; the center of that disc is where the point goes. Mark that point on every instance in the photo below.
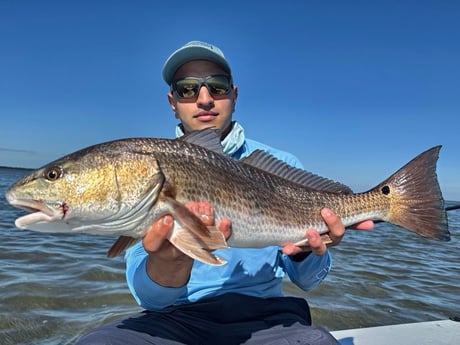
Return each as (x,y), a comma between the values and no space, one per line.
(171,101)
(235,96)
(235,93)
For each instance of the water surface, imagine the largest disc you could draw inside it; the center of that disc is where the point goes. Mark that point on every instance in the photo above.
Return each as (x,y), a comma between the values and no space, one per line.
(56,287)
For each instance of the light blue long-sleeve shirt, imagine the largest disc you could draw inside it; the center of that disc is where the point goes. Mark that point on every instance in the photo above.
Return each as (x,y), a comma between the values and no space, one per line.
(251,271)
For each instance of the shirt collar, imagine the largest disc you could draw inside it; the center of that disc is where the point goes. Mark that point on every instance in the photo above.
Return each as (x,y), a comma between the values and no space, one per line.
(231,143)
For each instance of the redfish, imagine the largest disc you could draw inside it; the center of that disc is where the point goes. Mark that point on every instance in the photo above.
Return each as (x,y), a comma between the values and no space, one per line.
(121,187)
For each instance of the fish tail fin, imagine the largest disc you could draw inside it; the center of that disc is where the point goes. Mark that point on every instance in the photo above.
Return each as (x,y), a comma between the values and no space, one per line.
(415,198)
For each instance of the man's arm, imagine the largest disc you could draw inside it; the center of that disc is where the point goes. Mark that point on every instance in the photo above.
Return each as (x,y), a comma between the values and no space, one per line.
(158,272)
(166,265)
(157,288)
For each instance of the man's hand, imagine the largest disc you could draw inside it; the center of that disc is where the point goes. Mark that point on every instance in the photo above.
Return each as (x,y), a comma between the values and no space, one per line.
(336,232)
(155,240)
(166,264)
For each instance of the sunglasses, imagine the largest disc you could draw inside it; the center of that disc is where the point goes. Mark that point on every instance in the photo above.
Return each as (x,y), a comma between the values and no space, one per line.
(217,85)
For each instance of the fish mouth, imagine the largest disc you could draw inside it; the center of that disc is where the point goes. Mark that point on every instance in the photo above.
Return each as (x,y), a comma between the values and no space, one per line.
(39,212)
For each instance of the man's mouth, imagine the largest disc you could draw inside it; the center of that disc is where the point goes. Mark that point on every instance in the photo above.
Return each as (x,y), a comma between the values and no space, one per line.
(206,116)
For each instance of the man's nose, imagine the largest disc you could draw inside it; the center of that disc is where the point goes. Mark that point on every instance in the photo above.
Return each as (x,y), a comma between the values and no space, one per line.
(204,97)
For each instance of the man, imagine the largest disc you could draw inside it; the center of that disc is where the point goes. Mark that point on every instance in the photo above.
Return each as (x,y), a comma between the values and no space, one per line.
(189,302)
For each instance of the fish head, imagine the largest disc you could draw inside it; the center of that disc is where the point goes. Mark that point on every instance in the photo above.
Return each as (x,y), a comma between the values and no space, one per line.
(104,189)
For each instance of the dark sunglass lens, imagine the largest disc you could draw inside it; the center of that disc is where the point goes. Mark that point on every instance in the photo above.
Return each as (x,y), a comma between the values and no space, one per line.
(219,85)
(187,88)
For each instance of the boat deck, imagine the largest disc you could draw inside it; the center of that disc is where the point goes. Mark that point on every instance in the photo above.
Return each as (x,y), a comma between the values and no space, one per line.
(443,332)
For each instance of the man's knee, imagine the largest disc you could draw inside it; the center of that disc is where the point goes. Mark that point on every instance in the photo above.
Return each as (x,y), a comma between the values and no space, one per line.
(296,334)
(99,336)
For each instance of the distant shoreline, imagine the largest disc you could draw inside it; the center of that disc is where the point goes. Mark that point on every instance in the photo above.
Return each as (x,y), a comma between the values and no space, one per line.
(17,168)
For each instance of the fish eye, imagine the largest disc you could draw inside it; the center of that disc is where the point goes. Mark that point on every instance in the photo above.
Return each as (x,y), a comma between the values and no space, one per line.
(53,173)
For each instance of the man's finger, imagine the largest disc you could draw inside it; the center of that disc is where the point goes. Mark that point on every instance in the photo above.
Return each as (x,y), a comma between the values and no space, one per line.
(316,243)
(225,227)
(158,233)
(365,225)
(203,210)
(334,224)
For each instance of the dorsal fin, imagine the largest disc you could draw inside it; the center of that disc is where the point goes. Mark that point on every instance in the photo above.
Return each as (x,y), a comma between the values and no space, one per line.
(265,161)
(208,138)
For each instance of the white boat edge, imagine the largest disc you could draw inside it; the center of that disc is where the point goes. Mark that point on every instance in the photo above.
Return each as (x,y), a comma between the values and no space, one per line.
(441,332)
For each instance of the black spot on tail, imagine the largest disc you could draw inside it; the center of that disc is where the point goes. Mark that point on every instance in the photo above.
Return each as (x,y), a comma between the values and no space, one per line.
(385,190)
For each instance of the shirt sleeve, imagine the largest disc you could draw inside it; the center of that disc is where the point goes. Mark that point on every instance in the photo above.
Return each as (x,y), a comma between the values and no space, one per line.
(147,293)
(310,272)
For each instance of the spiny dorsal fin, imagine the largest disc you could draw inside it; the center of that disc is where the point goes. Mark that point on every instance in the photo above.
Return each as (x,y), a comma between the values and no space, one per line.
(208,138)
(265,161)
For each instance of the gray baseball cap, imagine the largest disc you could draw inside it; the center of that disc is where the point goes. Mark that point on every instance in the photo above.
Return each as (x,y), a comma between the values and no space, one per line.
(194,50)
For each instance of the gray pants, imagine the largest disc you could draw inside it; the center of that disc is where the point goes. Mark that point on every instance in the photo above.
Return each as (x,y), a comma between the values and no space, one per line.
(229,319)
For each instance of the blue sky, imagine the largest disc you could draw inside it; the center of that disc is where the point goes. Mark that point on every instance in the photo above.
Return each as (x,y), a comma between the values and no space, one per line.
(355,89)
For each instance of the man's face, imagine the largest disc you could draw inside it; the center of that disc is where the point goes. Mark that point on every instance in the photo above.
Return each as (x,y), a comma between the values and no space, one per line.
(205,110)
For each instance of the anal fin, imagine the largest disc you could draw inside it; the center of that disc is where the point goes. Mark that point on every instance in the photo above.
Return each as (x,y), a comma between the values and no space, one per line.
(324,237)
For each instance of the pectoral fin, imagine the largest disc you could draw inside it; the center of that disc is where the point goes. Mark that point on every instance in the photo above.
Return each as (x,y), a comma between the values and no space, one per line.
(191,244)
(193,237)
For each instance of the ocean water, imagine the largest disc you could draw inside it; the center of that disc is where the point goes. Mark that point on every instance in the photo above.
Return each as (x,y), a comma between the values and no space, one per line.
(55,287)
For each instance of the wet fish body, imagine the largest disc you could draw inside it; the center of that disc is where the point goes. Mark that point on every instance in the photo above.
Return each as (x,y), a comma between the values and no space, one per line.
(121,187)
